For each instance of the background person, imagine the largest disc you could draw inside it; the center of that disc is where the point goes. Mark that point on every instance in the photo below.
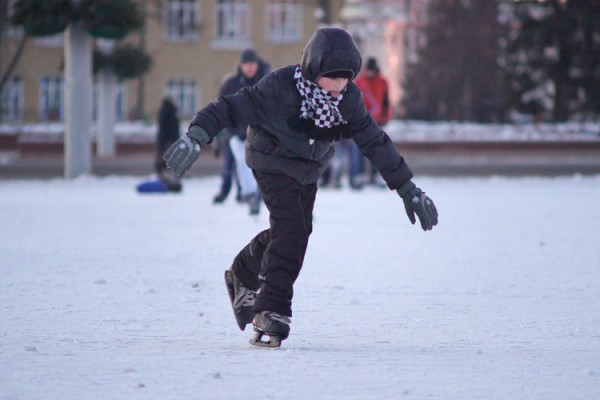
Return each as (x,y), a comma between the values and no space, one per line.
(167,134)
(375,90)
(250,70)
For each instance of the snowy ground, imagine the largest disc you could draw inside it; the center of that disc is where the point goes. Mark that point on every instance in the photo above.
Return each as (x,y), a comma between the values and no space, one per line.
(106,294)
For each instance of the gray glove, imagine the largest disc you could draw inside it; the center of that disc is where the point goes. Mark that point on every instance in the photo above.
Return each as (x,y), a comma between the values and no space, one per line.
(416,202)
(182,154)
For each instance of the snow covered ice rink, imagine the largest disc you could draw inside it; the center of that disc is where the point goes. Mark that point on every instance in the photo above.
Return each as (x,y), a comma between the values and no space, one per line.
(107,294)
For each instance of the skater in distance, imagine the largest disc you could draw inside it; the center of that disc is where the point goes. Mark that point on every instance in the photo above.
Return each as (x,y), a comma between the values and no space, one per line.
(250,70)
(294,115)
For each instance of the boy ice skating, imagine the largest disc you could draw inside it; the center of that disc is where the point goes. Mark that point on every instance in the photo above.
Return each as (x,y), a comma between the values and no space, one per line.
(294,115)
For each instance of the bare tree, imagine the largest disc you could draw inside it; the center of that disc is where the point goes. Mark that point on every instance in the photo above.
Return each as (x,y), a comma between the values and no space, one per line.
(455,76)
(552,58)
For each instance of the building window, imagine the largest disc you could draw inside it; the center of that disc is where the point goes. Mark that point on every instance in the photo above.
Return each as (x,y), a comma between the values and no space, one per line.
(184,94)
(232,21)
(180,17)
(51,98)
(11,100)
(284,21)
(120,102)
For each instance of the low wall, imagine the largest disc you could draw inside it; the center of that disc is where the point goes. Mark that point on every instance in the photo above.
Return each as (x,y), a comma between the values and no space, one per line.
(409,136)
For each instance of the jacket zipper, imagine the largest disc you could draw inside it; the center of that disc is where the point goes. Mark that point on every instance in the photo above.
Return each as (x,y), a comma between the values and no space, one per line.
(312,152)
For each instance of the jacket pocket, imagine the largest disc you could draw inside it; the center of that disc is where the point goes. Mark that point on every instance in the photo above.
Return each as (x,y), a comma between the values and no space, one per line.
(262,141)
(328,155)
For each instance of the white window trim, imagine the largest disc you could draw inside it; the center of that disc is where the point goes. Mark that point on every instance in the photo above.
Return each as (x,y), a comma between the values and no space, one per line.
(120,101)
(13,89)
(190,11)
(185,94)
(239,12)
(280,9)
(122,96)
(53,80)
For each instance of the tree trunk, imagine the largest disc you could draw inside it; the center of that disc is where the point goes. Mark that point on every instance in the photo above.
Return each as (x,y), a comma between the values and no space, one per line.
(13,62)
(560,111)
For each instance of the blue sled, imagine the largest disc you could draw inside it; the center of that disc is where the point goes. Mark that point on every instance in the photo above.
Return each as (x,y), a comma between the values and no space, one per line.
(153,186)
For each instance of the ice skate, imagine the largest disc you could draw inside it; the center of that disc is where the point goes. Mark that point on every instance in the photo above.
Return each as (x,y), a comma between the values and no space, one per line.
(271,324)
(242,299)
(219,198)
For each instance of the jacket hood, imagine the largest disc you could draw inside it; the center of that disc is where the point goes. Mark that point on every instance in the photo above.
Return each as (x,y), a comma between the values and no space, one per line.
(329,50)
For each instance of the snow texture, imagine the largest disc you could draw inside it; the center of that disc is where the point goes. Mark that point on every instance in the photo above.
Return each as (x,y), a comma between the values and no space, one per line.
(108,294)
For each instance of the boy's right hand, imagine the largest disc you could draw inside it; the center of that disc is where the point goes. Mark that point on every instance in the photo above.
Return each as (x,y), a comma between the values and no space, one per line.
(182,154)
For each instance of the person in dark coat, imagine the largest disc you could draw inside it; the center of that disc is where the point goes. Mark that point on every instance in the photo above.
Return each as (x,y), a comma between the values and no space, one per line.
(168,133)
(249,71)
(295,114)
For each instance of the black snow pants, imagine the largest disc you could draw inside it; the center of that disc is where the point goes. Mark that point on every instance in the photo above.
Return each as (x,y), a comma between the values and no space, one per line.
(272,260)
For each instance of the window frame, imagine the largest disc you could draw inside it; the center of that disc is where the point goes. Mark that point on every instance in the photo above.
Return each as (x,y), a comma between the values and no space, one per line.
(233,24)
(280,17)
(186,95)
(12,100)
(120,101)
(184,27)
(52,86)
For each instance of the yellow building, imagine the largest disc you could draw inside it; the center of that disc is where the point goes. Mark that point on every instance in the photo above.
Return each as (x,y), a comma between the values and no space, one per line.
(193,44)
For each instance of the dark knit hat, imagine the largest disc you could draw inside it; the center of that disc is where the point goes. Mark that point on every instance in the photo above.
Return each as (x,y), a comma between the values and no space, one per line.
(371,64)
(248,56)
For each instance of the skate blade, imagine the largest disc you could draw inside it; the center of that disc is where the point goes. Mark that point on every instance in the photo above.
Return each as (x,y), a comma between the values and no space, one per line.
(238,318)
(256,340)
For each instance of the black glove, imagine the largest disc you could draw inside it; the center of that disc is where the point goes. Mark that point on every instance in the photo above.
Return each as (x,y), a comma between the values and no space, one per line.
(182,154)
(416,202)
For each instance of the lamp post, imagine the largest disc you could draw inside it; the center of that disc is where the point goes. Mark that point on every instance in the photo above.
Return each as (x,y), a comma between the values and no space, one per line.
(78,100)
(105,141)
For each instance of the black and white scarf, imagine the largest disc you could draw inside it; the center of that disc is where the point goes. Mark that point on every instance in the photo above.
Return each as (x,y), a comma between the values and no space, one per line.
(317,104)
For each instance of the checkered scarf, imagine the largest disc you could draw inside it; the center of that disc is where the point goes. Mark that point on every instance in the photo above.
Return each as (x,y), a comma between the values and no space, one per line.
(317,104)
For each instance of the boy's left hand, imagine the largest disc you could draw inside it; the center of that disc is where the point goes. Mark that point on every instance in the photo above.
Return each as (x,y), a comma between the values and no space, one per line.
(182,154)
(416,202)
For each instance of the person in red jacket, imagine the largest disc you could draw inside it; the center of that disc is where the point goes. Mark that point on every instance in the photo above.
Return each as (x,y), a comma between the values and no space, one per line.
(375,92)
(374,88)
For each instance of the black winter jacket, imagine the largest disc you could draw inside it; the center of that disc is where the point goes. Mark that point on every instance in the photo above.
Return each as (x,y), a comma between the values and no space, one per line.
(280,141)
(237,82)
